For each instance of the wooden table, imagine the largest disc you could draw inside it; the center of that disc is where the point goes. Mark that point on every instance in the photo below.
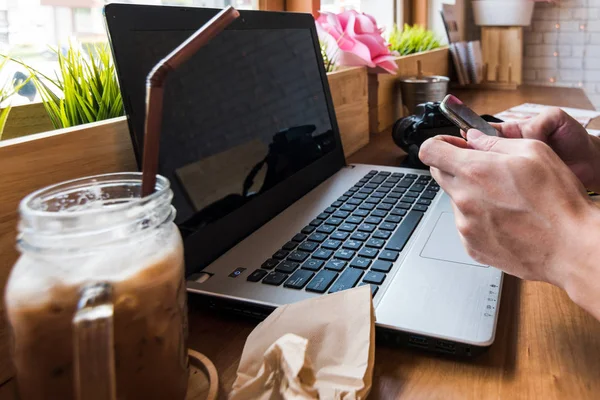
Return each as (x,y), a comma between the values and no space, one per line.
(546,347)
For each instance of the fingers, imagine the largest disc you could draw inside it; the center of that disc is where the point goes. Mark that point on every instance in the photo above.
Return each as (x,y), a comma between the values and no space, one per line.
(444,152)
(445,180)
(511,130)
(477,140)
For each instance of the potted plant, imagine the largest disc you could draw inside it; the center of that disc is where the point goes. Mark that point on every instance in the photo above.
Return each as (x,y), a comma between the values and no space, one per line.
(411,47)
(503,13)
(351,42)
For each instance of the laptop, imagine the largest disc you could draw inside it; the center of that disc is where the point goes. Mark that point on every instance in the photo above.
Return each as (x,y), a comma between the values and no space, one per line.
(269,210)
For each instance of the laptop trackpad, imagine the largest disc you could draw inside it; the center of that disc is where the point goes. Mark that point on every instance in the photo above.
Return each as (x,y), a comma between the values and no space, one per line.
(444,243)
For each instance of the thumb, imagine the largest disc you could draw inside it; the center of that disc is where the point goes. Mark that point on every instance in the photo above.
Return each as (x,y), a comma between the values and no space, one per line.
(478,140)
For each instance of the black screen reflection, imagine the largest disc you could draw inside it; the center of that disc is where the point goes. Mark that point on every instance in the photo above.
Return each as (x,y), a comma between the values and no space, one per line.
(243,114)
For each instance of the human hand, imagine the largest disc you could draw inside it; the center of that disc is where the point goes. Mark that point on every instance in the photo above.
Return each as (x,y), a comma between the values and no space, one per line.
(578,150)
(517,206)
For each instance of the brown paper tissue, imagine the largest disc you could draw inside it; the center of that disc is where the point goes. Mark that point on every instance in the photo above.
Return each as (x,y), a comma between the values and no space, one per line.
(322,348)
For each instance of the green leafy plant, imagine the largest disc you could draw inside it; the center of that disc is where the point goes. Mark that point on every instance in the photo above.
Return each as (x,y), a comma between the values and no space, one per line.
(10,88)
(412,40)
(85,88)
(329,63)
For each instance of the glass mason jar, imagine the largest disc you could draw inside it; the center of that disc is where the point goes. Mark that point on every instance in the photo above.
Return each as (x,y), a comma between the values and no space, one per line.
(97,300)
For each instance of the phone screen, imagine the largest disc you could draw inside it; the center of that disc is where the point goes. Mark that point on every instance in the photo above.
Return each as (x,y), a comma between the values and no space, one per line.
(464,117)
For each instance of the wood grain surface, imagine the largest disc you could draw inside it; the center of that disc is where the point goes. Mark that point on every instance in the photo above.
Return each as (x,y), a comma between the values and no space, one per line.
(546,347)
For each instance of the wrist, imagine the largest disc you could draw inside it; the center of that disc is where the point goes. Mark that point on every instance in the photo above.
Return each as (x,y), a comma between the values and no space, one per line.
(581,278)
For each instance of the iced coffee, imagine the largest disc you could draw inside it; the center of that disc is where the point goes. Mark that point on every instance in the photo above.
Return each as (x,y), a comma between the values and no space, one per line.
(138,253)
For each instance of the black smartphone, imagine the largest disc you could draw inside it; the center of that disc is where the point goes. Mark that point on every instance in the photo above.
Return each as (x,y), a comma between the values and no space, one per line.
(465,118)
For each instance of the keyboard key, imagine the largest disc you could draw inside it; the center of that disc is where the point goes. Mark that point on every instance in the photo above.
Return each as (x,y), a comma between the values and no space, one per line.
(354,220)
(354,202)
(388,185)
(343,198)
(361,213)
(308,246)
(308,229)
(385,173)
(366,191)
(257,275)
(347,280)
(367,206)
(339,235)
(323,215)
(290,246)
(389,200)
(405,230)
(321,281)
(424,177)
(393,179)
(359,262)
(433,188)
(361,196)
(340,214)
(335,265)
(348,207)
(329,210)
(399,211)
(349,193)
(372,220)
(352,244)
(405,183)
(379,213)
(281,254)
(299,237)
(298,256)
(331,244)
(377,195)
(317,237)
(393,219)
(425,202)
(371,173)
(371,186)
(336,204)
(383,190)
(299,279)
(344,254)
(377,243)
(374,288)
(368,252)
(373,200)
(409,200)
(394,195)
(387,226)
(385,207)
(398,190)
(411,176)
(287,266)
(405,206)
(397,175)
(275,278)
(388,255)
(382,234)
(420,207)
(382,266)
(316,222)
(322,254)
(377,179)
(412,194)
(326,229)
(417,188)
(362,236)
(334,221)
(374,277)
(367,228)
(269,264)
(428,194)
(347,227)
(313,265)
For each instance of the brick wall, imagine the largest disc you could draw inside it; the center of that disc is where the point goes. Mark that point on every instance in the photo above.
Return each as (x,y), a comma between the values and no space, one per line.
(568,55)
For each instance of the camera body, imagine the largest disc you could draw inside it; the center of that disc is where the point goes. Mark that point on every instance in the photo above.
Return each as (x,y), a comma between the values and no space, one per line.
(410,132)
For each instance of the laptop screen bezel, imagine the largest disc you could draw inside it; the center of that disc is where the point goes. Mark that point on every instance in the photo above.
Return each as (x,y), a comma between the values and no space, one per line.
(122,19)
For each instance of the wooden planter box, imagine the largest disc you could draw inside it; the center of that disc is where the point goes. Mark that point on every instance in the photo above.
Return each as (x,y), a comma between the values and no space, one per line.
(25,120)
(349,91)
(384,109)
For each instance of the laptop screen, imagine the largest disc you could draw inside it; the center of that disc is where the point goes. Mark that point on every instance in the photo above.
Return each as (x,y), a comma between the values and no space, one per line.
(241,118)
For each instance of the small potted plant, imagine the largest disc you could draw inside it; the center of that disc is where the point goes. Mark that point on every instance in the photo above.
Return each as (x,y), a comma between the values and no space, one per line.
(351,42)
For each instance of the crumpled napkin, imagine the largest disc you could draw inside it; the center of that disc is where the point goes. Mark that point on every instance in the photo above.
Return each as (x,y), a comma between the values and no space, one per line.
(321,348)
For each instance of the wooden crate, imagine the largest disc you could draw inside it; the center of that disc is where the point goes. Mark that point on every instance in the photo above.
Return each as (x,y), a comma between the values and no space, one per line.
(25,120)
(502,52)
(349,91)
(384,107)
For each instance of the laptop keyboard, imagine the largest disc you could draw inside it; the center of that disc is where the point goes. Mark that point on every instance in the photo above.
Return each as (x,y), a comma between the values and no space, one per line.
(356,240)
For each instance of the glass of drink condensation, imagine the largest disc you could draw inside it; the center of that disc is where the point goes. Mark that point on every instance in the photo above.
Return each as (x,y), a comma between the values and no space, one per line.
(97,300)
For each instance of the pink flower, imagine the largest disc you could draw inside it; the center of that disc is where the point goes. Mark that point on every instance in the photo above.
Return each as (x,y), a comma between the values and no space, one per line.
(353,39)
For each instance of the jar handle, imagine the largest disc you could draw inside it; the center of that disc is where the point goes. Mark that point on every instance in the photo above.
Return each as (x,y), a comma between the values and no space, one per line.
(94,354)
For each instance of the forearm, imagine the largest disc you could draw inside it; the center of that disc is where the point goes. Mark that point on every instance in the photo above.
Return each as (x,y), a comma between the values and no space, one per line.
(582,282)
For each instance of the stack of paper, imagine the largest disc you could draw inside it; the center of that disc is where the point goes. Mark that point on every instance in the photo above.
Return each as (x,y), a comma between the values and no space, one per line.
(528,110)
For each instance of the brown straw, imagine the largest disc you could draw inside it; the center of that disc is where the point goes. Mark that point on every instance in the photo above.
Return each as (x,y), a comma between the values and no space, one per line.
(154,90)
